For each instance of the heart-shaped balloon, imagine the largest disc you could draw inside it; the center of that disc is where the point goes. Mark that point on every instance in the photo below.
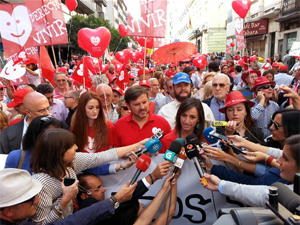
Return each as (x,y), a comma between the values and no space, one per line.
(241,7)
(253,58)
(122,30)
(94,41)
(135,56)
(149,42)
(71,4)
(123,56)
(105,68)
(232,44)
(136,38)
(200,62)
(241,62)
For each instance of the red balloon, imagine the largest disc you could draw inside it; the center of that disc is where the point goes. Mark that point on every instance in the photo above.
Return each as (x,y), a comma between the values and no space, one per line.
(105,68)
(94,41)
(111,53)
(123,56)
(232,44)
(253,58)
(149,42)
(200,62)
(122,30)
(142,53)
(136,38)
(241,62)
(135,56)
(71,4)
(241,7)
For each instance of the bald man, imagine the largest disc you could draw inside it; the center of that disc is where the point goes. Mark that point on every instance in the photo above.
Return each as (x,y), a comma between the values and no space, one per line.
(36,105)
(105,93)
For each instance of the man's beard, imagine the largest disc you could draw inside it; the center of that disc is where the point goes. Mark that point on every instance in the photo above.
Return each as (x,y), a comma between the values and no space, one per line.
(180,98)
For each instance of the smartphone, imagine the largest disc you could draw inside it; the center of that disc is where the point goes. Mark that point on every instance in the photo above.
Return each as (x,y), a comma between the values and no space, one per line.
(69,181)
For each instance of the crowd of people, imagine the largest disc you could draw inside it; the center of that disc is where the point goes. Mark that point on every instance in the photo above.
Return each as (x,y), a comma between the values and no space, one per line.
(64,131)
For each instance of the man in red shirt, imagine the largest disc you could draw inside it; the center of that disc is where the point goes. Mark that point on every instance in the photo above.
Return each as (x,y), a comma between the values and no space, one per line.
(141,123)
(246,59)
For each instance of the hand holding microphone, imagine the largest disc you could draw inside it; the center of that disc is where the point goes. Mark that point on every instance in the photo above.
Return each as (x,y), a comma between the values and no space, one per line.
(152,146)
(142,165)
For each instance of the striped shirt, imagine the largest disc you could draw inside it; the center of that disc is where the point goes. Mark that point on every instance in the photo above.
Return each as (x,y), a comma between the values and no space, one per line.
(51,193)
(262,115)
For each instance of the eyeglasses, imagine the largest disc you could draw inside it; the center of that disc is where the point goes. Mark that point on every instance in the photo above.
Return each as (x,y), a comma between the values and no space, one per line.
(276,125)
(266,87)
(221,85)
(62,80)
(89,191)
(29,200)
(67,97)
(125,107)
(42,110)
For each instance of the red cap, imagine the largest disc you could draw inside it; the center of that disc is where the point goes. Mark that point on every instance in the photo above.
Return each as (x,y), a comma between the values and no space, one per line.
(62,69)
(144,83)
(111,77)
(260,81)
(234,98)
(275,64)
(140,72)
(245,75)
(173,65)
(283,68)
(18,97)
(31,60)
(143,163)
(237,57)
(117,89)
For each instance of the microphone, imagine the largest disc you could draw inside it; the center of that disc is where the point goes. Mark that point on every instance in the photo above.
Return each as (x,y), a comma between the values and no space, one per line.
(181,156)
(192,138)
(174,149)
(212,136)
(193,154)
(159,135)
(219,123)
(152,146)
(142,165)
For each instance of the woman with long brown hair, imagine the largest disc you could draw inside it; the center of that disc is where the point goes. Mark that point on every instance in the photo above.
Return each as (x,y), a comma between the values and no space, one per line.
(93,132)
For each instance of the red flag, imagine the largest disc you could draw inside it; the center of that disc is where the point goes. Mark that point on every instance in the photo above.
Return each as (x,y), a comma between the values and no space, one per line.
(123,78)
(83,73)
(20,57)
(47,67)
(151,21)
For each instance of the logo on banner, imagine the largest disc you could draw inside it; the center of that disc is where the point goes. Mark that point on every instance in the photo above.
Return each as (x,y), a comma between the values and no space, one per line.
(17,26)
(95,40)
(121,77)
(12,72)
(239,24)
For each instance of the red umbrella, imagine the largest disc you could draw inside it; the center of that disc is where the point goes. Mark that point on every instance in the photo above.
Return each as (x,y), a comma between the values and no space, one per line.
(174,52)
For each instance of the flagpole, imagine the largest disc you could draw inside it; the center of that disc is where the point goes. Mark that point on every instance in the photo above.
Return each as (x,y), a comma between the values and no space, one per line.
(145,58)
(54,57)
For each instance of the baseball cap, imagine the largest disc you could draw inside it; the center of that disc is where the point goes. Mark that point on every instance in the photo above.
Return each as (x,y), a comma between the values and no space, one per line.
(31,60)
(283,68)
(181,78)
(275,64)
(18,97)
(144,83)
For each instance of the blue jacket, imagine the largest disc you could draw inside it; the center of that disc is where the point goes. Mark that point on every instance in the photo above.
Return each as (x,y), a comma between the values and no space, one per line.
(13,159)
(270,177)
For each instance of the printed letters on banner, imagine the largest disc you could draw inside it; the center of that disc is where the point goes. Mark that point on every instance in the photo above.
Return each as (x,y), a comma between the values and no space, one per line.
(34,23)
(152,20)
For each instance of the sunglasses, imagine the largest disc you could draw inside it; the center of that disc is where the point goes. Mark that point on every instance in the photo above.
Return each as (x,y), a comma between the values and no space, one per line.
(221,85)
(266,87)
(125,107)
(29,200)
(276,125)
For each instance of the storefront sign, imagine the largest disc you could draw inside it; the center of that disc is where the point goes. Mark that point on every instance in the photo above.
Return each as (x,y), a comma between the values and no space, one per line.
(256,28)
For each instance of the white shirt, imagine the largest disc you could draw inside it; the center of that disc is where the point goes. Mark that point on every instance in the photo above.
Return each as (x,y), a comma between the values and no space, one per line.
(169,112)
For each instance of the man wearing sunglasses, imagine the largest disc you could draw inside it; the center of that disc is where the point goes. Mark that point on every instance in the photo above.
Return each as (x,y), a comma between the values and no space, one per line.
(264,107)
(19,199)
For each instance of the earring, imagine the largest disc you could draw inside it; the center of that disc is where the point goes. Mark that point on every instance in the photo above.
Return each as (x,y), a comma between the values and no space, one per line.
(198,125)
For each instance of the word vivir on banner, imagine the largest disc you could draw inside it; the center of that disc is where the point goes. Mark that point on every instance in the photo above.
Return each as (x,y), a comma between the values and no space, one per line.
(151,22)
(35,23)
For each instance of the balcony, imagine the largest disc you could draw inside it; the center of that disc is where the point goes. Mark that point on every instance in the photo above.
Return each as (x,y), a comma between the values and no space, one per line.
(290,7)
(101,2)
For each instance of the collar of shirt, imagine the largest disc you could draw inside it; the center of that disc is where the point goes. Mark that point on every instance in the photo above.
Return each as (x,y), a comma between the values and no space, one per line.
(222,103)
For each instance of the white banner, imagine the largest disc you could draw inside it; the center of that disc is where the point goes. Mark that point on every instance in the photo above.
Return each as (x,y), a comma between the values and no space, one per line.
(195,204)
(295,50)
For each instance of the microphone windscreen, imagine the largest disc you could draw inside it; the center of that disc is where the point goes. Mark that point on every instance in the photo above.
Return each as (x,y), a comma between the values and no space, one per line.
(191,150)
(153,146)
(192,138)
(175,147)
(181,140)
(143,163)
(208,137)
(286,197)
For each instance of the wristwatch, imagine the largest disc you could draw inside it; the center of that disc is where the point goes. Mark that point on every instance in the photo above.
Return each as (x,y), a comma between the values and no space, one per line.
(115,202)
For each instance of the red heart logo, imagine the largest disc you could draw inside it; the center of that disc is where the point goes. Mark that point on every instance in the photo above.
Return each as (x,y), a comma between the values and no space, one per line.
(241,7)
(135,56)
(94,41)
(123,56)
(149,42)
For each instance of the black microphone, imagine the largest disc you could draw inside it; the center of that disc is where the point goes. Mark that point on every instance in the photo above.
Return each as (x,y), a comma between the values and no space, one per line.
(193,154)
(192,138)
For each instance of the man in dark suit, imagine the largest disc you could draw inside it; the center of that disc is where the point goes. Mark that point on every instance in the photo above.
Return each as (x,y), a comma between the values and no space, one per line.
(36,105)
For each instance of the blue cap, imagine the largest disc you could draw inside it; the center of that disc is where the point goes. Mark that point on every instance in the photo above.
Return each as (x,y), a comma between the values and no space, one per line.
(181,78)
